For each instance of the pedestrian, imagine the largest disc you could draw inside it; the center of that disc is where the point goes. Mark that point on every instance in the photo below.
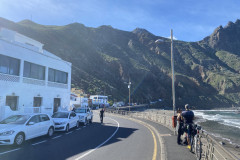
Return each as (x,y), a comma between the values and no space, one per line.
(179,125)
(188,117)
(101,114)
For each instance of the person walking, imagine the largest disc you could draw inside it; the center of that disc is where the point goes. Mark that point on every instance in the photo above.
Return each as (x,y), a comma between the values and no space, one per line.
(179,125)
(101,115)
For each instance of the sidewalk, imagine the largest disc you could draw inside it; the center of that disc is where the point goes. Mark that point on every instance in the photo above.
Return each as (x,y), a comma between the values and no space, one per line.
(174,151)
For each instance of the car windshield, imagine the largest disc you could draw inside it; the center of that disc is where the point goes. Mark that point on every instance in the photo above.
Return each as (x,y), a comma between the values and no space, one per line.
(60,115)
(15,119)
(80,110)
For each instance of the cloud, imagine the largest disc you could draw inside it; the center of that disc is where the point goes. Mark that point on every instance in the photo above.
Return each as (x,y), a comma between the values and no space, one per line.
(174,38)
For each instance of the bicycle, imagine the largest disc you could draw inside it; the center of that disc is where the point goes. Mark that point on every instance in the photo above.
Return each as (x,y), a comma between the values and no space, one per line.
(196,144)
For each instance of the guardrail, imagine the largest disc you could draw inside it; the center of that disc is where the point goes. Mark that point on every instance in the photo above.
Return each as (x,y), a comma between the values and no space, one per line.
(212,150)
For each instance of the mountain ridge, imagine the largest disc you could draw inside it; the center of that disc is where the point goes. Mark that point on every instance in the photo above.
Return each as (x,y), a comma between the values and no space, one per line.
(104,58)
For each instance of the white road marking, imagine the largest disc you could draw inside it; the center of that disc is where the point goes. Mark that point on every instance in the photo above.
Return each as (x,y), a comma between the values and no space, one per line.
(56,137)
(78,129)
(84,126)
(69,132)
(92,150)
(10,151)
(39,142)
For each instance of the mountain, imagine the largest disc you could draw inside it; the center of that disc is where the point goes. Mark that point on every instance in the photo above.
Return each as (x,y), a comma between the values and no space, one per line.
(103,59)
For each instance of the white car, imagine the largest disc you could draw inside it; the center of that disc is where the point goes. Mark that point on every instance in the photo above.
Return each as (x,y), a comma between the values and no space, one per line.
(18,128)
(85,115)
(65,120)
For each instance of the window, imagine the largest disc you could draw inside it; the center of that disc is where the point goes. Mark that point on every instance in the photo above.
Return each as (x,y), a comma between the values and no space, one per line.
(34,119)
(72,115)
(35,71)
(9,65)
(57,76)
(12,102)
(37,101)
(44,117)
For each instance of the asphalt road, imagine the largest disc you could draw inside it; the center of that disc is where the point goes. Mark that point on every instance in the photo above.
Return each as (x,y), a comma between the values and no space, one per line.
(117,139)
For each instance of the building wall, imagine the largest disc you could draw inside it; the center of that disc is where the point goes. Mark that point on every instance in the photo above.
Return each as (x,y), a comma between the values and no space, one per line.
(27,88)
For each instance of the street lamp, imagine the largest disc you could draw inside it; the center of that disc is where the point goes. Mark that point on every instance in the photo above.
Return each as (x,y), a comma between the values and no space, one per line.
(172,67)
(129,87)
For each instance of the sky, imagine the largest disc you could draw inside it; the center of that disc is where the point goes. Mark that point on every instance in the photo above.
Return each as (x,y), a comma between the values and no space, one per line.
(191,20)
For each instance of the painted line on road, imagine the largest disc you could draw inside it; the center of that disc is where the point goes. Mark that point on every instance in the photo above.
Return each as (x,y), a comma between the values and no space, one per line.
(161,141)
(57,137)
(39,142)
(10,151)
(69,132)
(78,129)
(84,126)
(154,157)
(92,150)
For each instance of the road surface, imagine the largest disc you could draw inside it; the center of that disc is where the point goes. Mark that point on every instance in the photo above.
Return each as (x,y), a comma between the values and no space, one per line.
(117,139)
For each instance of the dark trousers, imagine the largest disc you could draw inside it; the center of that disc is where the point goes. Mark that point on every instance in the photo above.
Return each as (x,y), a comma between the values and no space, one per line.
(180,132)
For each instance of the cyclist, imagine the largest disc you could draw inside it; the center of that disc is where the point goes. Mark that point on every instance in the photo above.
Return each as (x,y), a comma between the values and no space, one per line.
(188,117)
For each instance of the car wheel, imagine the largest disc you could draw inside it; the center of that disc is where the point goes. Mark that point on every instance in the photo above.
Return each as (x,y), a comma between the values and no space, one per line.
(19,139)
(50,131)
(77,125)
(67,128)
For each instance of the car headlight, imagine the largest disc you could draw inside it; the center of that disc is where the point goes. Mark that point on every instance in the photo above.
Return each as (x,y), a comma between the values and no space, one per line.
(7,133)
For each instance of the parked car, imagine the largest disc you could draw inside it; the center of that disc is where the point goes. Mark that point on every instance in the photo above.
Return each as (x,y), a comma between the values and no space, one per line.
(17,128)
(65,120)
(85,115)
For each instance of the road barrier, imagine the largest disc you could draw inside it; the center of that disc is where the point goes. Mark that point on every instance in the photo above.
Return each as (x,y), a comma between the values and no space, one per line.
(211,149)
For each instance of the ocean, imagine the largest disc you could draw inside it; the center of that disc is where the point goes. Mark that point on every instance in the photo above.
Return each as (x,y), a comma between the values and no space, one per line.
(223,124)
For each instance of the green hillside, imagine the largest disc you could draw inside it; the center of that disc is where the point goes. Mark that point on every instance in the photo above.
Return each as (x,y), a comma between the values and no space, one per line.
(103,58)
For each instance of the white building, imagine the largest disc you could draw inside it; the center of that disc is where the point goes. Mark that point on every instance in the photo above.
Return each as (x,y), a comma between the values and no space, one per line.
(99,100)
(78,101)
(31,79)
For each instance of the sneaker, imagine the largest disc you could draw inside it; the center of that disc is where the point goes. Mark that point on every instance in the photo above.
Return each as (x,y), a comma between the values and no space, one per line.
(189,147)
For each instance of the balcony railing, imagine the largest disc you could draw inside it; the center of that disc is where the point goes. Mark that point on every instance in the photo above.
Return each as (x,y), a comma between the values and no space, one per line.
(10,78)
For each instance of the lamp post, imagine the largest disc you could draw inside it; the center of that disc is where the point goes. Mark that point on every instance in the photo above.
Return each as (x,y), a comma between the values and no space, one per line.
(173,77)
(129,87)
(172,68)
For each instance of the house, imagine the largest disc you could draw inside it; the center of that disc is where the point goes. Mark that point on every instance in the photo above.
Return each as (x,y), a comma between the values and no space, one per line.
(31,78)
(78,101)
(99,100)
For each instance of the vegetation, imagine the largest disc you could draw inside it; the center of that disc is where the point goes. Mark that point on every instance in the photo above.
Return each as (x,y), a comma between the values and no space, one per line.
(103,59)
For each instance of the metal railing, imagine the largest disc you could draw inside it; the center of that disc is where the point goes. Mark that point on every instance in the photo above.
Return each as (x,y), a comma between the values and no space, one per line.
(211,149)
